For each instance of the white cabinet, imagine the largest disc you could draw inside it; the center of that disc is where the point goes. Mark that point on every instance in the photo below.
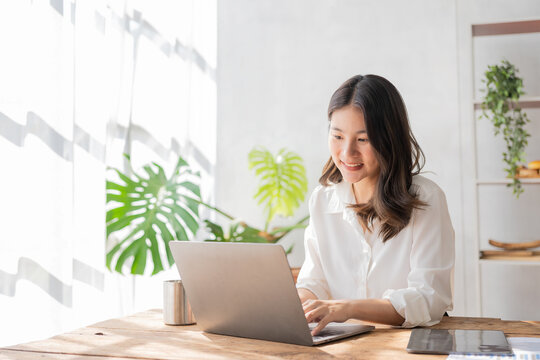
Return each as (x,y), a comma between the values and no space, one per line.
(510,289)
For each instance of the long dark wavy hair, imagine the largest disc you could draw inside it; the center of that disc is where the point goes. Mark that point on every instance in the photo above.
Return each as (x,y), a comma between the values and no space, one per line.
(397,152)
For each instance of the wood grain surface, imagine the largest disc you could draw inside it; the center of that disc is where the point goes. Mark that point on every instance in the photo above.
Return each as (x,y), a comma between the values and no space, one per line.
(144,336)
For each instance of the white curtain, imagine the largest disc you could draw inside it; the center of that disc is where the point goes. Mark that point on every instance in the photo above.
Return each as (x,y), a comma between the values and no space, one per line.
(81,82)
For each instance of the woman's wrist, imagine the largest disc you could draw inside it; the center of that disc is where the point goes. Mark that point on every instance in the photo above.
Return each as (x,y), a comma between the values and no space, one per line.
(350,308)
(355,309)
(374,310)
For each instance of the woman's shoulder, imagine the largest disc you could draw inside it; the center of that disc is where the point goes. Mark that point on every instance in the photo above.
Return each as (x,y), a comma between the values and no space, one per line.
(434,214)
(322,192)
(323,196)
(426,189)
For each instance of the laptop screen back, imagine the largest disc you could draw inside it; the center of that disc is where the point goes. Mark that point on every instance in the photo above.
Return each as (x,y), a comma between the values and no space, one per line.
(242,289)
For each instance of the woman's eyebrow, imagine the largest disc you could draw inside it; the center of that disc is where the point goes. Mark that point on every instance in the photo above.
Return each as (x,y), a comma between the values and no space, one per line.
(338,129)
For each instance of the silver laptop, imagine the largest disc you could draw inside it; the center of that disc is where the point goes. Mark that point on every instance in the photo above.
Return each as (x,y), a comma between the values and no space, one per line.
(247,290)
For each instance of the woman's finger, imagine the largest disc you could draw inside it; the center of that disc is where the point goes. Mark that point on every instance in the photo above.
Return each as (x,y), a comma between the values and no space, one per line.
(321,325)
(310,305)
(316,314)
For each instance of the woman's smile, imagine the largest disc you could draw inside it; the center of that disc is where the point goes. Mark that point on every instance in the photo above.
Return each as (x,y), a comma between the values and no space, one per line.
(352,166)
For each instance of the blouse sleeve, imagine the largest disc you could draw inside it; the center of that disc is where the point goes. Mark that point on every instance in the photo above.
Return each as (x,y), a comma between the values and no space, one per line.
(311,276)
(429,291)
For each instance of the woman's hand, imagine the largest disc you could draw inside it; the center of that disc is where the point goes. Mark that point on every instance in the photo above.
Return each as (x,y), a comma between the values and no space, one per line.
(326,311)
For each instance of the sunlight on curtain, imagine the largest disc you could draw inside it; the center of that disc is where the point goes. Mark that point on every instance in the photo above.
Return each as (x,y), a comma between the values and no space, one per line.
(81,83)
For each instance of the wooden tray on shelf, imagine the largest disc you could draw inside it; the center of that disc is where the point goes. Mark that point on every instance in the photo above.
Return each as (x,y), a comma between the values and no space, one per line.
(515,246)
(512,251)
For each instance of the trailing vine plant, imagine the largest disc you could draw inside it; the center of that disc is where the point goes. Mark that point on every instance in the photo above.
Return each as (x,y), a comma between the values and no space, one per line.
(500,105)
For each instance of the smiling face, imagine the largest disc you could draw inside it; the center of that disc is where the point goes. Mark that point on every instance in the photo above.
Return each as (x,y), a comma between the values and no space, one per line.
(350,148)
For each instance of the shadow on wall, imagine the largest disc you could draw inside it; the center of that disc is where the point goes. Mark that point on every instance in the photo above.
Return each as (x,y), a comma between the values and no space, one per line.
(35,125)
(136,26)
(29,270)
(15,133)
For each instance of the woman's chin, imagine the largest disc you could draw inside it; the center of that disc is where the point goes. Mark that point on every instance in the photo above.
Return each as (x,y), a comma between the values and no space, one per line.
(352,178)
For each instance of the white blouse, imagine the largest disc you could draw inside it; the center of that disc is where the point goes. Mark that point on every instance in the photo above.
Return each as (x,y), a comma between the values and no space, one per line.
(413,270)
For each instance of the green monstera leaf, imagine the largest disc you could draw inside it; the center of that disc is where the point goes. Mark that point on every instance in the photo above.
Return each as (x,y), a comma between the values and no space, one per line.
(148,211)
(283,182)
(239,231)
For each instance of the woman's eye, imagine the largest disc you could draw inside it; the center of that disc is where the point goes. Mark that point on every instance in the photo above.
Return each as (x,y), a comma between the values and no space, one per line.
(337,137)
(363,140)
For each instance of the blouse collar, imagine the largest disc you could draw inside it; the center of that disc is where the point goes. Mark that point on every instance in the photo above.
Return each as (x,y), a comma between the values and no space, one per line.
(342,196)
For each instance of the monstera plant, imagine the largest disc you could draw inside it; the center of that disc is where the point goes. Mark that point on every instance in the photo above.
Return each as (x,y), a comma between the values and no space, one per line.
(147,211)
(281,190)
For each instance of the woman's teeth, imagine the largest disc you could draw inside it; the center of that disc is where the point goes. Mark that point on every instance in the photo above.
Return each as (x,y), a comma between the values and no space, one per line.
(351,165)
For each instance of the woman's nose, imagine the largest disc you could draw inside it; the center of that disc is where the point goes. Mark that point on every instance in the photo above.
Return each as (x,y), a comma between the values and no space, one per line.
(350,149)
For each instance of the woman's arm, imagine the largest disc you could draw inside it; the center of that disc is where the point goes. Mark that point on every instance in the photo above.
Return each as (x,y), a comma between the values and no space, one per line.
(374,310)
(305,294)
(311,277)
(429,291)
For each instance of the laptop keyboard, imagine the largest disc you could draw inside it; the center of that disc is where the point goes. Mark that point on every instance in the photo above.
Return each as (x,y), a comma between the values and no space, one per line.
(330,332)
(326,333)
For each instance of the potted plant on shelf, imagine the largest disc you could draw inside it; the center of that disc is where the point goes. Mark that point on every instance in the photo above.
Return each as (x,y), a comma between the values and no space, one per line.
(500,105)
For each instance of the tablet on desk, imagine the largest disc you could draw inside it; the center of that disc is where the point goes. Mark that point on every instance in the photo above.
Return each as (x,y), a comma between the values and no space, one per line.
(470,342)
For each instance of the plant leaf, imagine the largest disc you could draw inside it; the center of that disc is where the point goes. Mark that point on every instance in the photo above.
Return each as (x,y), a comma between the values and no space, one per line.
(215,230)
(282,181)
(142,208)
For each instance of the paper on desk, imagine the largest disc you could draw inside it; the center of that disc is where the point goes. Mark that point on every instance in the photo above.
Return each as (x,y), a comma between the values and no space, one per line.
(525,348)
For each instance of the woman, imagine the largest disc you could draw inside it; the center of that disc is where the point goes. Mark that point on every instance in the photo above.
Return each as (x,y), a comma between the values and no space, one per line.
(380,243)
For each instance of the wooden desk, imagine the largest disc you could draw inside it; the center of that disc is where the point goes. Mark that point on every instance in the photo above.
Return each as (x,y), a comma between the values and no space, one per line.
(144,336)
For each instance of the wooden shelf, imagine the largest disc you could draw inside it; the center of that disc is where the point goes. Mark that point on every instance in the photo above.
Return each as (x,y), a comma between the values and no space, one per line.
(507,181)
(493,267)
(527,102)
(533,260)
(530,255)
(506,28)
